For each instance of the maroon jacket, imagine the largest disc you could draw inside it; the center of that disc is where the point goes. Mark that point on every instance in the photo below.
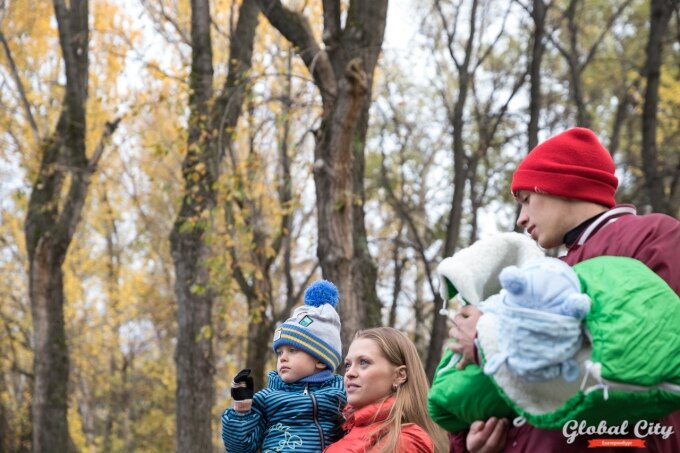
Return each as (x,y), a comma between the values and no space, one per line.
(653,239)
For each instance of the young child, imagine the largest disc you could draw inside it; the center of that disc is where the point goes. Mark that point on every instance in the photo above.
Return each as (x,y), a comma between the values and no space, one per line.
(301,406)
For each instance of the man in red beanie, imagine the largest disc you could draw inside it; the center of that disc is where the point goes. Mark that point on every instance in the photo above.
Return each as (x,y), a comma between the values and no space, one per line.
(566,188)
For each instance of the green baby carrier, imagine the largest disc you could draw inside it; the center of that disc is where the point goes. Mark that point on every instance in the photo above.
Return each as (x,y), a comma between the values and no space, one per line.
(629,365)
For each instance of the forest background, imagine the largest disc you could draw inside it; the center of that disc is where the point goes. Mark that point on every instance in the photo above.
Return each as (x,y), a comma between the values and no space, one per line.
(174,173)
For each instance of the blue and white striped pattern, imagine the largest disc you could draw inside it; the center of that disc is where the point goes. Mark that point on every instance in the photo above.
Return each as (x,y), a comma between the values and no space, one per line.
(305,340)
(287,418)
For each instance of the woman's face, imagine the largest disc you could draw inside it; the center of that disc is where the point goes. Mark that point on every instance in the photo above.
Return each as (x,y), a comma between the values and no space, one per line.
(369,376)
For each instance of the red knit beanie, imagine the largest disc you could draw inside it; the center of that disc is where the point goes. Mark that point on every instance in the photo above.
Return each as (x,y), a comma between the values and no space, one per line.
(573,164)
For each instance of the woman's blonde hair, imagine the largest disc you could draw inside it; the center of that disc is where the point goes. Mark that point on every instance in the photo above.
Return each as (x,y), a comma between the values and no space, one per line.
(410,404)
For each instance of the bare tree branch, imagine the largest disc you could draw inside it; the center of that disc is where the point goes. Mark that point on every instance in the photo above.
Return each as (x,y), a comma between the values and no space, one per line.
(20,88)
(295,27)
(500,33)
(604,32)
(450,35)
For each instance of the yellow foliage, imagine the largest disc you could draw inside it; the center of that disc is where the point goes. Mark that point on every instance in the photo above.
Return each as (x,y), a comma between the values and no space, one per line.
(669,110)
(118,274)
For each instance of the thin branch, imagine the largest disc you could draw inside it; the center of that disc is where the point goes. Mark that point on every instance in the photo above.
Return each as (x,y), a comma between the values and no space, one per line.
(246,288)
(554,41)
(496,39)
(20,88)
(604,32)
(296,29)
(70,216)
(109,128)
(404,214)
(450,36)
(172,21)
(501,113)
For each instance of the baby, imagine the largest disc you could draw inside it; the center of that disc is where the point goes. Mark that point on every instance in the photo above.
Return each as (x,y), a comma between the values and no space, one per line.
(541,307)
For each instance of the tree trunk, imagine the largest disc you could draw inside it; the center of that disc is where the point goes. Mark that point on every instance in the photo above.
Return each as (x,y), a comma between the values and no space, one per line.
(52,218)
(51,362)
(364,270)
(259,347)
(194,356)
(398,262)
(538,48)
(538,14)
(577,62)
(575,69)
(210,125)
(439,331)
(421,307)
(343,72)
(334,159)
(115,409)
(660,15)
(5,431)
(624,102)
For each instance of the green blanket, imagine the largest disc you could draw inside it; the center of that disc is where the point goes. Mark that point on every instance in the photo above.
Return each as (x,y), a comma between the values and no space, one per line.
(631,371)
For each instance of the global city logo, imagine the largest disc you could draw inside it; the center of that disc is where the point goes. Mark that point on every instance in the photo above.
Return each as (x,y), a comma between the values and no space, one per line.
(642,429)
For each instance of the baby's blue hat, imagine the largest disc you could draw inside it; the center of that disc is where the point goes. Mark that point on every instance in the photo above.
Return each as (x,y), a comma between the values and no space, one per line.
(315,327)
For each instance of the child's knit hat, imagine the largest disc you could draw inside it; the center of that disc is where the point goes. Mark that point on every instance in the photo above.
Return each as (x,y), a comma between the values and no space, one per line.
(573,164)
(315,327)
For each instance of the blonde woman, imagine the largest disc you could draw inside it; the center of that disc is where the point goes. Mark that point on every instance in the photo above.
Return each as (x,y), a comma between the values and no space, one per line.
(387,397)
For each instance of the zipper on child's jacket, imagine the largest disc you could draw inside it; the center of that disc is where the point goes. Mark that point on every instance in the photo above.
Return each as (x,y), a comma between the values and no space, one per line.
(315,416)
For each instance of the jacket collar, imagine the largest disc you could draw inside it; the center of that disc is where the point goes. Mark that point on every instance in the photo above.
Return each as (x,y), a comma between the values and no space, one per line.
(276,383)
(593,225)
(376,412)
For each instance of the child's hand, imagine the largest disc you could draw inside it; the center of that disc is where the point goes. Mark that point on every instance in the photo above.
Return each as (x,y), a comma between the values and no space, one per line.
(242,390)
(463,332)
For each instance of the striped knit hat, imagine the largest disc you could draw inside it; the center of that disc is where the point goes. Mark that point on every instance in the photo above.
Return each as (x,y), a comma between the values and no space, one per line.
(314,327)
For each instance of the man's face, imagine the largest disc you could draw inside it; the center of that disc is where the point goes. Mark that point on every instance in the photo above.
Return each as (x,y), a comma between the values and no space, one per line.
(545,217)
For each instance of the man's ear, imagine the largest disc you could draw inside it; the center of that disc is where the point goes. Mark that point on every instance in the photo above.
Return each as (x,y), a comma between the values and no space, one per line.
(320,365)
(400,375)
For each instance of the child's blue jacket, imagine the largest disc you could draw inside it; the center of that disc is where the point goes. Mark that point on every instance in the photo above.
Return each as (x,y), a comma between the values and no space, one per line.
(300,417)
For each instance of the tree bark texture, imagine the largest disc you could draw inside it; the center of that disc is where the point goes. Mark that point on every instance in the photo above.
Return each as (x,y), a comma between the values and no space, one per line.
(577,61)
(439,331)
(538,48)
(194,356)
(364,269)
(343,72)
(538,13)
(575,68)
(212,119)
(52,218)
(661,11)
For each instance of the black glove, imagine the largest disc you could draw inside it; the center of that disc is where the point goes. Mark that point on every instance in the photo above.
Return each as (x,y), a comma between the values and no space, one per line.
(242,386)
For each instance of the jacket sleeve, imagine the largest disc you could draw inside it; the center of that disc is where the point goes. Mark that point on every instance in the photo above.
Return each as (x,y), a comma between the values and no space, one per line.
(243,432)
(457,442)
(414,439)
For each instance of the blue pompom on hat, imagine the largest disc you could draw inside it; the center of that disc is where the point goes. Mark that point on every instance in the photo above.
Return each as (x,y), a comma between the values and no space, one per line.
(315,326)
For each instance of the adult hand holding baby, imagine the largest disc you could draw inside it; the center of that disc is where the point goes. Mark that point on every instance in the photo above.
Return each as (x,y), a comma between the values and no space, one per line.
(464,331)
